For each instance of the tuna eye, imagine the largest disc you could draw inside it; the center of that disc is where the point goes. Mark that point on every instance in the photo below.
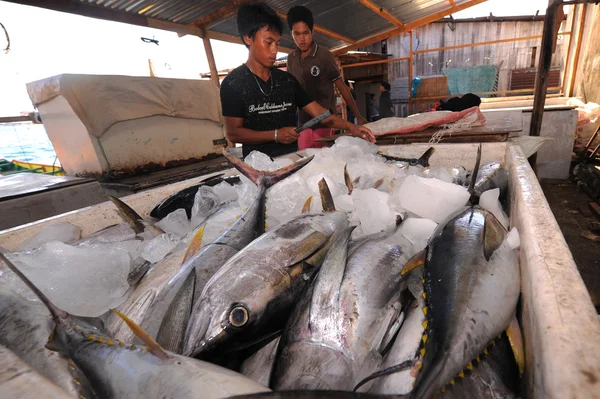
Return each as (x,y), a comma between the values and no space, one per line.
(238,316)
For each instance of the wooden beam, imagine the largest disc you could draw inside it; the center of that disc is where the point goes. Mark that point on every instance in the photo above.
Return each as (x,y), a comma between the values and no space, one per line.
(451,3)
(550,34)
(410,71)
(483,93)
(382,12)
(214,75)
(322,30)
(514,39)
(407,27)
(568,59)
(359,64)
(577,50)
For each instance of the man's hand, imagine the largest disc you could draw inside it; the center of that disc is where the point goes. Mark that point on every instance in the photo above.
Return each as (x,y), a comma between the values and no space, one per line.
(287,135)
(361,120)
(362,132)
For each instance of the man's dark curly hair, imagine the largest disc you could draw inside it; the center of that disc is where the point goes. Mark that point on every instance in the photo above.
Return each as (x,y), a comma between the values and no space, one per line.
(253,17)
(300,14)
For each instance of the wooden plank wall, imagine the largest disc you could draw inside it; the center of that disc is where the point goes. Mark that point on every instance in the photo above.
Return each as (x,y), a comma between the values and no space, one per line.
(509,56)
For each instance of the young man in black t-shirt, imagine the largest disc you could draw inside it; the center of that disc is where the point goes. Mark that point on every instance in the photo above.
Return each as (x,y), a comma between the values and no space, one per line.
(259,102)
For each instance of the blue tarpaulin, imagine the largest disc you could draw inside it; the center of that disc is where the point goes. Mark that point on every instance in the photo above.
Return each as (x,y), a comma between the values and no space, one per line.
(475,79)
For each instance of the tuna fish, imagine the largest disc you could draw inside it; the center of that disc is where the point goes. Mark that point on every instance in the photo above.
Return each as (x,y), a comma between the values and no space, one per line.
(340,329)
(252,294)
(19,380)
(162,302)
(24,330)
(115,370)
(260,365)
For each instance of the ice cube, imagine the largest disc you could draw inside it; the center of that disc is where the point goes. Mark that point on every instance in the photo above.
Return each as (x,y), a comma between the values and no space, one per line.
(431,198)
(225,192)
(285,199)
(159,247)
(439,173)
(418,231)
(514,239)
(175,222)
(372,208)
(247,192)
(206,203)
(489,201)
(85,281)
(260,161)
(59,231)
(355,143)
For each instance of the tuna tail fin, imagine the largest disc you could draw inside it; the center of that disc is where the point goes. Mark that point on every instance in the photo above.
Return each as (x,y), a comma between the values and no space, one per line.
(265,178)
(152,345)
(306,206)
(56,312)
(424,159)
(390,370)
(326,198)
(474,176)
(128,214)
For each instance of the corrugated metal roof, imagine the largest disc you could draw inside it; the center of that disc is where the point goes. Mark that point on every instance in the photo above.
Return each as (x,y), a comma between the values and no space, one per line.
(348,18)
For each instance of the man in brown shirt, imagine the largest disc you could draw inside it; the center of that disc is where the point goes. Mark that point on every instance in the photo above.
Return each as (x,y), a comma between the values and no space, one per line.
(316,70)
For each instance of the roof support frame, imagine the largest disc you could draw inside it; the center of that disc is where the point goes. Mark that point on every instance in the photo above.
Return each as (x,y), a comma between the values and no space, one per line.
(382,12)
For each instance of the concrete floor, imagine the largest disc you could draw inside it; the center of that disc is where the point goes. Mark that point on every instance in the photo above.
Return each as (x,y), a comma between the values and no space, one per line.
(571,210)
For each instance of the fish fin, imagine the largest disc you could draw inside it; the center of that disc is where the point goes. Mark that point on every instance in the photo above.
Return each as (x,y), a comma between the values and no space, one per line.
(306,247)
(416,261)
(355,182)
(327,284)
(475,171)
(378,183)
(138,270)
(390,335)
(171,332)
(326,198)
(493,235)
(306,206)
(195,244)
(262,177)
(153,346)
(55,311)
(152,228)
(513,332)
(424,159)
(407,365)
(348,180)
(128,214)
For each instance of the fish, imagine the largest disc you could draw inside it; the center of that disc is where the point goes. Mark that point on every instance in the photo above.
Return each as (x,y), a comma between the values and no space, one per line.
(19,380)
(423,160)
(251,295)
(133,218)
(162,302)
(494,376)
(116,370)
(471,278)
(24,329)
(340,330)
(491,175)
(314,394)
(405,348)
(184,199)
(260,365)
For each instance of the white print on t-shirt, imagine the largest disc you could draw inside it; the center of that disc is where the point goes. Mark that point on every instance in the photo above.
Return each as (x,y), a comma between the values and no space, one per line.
(269,108)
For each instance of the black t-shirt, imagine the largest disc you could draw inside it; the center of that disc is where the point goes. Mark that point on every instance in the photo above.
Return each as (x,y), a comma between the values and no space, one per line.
(273,107)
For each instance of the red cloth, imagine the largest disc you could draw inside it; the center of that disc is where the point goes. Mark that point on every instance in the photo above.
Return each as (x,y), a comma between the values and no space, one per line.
(307,137)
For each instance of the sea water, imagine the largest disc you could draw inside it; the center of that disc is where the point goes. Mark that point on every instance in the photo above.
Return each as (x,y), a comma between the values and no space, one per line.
(26,141)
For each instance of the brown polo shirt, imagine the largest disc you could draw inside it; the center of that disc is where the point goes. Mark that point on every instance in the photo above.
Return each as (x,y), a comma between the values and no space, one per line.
(316,74)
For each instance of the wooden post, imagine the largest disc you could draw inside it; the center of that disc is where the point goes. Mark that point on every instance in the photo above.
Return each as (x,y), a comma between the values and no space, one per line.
(577,49)
(549,36)
(568,59)
(214,74)
(410,72)
(344,111)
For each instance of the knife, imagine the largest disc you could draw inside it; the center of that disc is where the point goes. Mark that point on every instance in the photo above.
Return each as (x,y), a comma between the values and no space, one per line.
(313,121)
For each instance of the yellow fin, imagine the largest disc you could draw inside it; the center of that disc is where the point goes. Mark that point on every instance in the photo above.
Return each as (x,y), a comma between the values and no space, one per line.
(153,346)
(461,374)
(424,338)
(414,262)
(425,310)
(306,206)
(378,183)
(516,342)
(194,246)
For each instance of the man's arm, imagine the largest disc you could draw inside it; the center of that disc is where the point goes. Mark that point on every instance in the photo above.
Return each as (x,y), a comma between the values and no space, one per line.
(314,110)
(239,134)
(349,100)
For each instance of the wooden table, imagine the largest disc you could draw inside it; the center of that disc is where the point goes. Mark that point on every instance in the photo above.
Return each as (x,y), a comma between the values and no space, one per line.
(498,125)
